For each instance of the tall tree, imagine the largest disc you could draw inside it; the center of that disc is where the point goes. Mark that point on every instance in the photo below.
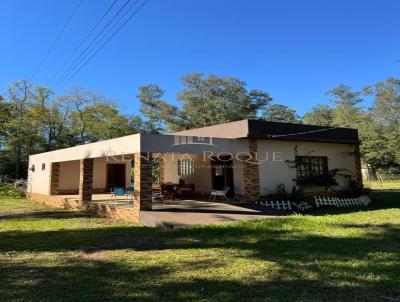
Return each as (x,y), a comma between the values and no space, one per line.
(321,115)
(212,100)
(21,131)
(156,111)
(385,114)
(386,107)
(280,113)
(103,121)
(346,112)
(51,118)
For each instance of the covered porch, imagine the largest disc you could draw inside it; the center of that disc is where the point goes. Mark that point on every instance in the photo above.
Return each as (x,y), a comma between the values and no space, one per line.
(192,166)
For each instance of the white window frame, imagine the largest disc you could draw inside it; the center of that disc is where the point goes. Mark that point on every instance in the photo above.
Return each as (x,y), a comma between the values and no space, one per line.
(185,167)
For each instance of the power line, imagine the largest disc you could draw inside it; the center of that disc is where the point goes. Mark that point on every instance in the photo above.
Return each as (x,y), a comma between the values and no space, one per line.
(301,133)
(108,40)
(55,41)
(83,41)
(105,27)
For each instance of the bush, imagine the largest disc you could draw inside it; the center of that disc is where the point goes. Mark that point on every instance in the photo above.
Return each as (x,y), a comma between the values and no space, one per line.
(355,190)
(296,194)
(10,191)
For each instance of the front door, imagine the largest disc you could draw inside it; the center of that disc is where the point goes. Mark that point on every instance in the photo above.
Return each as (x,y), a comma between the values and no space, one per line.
(222,174)
(116,175)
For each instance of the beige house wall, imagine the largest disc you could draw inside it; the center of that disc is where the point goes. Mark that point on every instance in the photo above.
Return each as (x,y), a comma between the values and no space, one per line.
(202,178)
(202,171)
(69,175)
(100,172)
(275,172)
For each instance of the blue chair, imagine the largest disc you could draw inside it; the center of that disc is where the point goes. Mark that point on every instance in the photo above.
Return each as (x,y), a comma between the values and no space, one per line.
(117,191)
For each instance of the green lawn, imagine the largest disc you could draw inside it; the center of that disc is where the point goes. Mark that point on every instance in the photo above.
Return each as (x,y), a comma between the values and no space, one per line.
(55,255)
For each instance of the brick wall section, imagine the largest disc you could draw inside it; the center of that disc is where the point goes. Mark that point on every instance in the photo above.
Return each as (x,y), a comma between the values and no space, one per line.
(101,210)
(86,179)
(162,169)
(251,177)
(53,201)
(54,178)
(357,159)
(143,181)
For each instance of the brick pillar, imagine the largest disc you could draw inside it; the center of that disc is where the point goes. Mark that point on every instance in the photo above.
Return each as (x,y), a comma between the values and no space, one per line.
(251,177)
(357,159)
(143,181)
(162,168)
(54,178)
(86,179)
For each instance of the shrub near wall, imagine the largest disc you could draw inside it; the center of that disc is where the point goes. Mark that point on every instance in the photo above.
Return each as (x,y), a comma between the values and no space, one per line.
(10,191)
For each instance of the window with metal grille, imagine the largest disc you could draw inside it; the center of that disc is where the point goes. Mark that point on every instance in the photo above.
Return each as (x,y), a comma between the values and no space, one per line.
(185,167)
(310,169)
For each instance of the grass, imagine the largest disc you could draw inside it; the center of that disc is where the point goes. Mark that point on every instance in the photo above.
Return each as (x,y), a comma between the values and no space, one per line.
(387,184)
(54,255)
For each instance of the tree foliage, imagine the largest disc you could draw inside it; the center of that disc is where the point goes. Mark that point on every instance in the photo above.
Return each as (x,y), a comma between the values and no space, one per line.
(321,115)
(33,119)
(280,113)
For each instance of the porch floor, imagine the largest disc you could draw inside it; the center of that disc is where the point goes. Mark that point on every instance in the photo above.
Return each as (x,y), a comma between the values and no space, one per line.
(185,213)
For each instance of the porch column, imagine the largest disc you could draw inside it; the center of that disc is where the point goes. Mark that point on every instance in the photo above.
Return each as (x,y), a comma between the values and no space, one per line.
(143,181)
(85,179)
(251,177)
(54,178)
(357,159)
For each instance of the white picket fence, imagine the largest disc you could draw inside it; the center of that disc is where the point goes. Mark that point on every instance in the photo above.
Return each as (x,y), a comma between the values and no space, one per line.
(341,202)
(280,205)
(319,201)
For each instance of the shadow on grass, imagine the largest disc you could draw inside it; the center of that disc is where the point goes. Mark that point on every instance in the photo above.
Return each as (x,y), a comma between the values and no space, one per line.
(78,280)
(44,214)
(309,267)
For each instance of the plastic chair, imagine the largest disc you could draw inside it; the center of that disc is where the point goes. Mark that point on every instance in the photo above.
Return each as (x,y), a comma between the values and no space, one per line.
(117,191)
(221,193)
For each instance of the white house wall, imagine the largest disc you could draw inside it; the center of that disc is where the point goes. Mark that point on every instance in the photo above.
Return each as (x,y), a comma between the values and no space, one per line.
(272,173)
(39,181)
(122,145)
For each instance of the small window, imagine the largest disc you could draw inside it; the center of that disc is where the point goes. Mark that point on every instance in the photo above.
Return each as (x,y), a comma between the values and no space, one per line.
(33,168)
(185,167)
(311,169)
(43,166)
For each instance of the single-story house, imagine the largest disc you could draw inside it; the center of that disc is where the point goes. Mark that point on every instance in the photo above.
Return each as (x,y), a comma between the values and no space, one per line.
(251,157)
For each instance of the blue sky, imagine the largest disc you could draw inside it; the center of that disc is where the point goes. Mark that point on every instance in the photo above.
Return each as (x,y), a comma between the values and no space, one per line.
(295,50)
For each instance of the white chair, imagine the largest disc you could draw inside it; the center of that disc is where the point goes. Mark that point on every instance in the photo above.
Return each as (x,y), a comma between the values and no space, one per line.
(158,196)
(221,193)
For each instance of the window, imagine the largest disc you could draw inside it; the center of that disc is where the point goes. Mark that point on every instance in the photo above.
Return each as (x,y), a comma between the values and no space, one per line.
(311,169)
(185,167)
(33,168)
(43,167)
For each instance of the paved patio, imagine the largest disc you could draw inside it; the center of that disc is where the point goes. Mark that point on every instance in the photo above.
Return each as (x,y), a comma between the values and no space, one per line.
(186,213)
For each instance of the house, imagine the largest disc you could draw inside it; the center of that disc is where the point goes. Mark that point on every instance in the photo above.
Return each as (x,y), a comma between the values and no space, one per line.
(251,157)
